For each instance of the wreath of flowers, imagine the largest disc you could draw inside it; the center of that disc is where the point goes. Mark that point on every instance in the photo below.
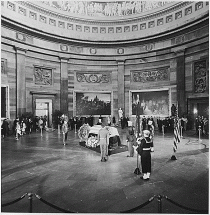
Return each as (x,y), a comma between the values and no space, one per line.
(83,132)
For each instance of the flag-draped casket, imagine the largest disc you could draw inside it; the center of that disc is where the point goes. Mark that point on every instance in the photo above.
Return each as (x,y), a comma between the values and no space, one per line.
(90,135)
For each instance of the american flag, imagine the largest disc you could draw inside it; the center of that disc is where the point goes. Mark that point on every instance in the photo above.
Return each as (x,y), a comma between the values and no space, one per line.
(176,131)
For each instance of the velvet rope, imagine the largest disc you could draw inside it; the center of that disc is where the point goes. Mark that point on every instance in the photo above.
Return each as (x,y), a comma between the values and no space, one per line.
(181,206)
(14,201)
(139,207)
(53,206)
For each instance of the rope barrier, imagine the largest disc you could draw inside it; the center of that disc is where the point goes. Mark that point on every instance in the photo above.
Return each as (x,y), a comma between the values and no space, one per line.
(139,207)
(181,206)
(159,197)
(14,201)
(53,206)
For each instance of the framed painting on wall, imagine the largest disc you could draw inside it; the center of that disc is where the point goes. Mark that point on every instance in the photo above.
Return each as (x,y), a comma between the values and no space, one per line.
(150,103)
(92,103)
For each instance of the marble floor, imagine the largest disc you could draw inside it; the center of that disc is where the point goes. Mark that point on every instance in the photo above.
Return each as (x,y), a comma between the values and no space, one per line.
(73,178)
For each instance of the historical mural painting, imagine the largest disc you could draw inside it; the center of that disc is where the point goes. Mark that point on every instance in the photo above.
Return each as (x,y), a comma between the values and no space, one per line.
(93,103)
(200,76)
(151,103)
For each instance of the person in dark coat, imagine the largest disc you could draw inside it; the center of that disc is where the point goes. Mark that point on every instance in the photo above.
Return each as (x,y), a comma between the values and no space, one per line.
(131,139)
(5,128)
(144,150)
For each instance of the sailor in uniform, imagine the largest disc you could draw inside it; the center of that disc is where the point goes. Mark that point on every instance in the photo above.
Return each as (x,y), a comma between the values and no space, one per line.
(144,150)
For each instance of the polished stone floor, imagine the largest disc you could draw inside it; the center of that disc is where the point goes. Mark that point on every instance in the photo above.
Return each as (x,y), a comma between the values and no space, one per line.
(73,177)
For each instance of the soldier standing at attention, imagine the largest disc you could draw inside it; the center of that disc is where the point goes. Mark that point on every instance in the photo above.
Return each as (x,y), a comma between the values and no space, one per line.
(144,150)
(103,140)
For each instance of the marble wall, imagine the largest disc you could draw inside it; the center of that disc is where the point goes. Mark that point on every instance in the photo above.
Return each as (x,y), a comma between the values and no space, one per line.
(36,68)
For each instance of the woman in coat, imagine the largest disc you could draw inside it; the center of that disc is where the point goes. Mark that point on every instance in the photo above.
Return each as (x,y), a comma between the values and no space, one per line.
(131,139)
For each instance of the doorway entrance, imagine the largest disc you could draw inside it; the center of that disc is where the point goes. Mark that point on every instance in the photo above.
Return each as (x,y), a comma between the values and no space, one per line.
(44,108)
(198,107)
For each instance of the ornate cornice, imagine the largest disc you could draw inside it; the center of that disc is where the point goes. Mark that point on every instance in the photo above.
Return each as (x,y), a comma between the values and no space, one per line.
(128,20)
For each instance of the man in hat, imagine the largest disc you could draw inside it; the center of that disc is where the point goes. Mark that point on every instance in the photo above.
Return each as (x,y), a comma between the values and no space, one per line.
(144,150)
(131,139)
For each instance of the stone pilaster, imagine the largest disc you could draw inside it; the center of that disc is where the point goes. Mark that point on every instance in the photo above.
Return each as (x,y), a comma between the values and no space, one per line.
(180,81)
(64,85)
(121,84)
(21,81)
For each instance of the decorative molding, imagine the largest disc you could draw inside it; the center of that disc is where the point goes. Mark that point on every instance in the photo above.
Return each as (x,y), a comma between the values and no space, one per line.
(134,27)
(93,51)
(190,36)
(64,47)
(43,93)
(169,19)
(21,37)
(52,22)
(160,22)
(94,30)
(22,11)
(147,47)
(110,30)
(151,24)
(61,24)
(200,76)
(78,28)
(164,12)
(42,19)
(42,76)
(188,10)
(87,29)
(32,15)
(178,15)
(118,29)
(198,5)
(102,30)
(120,51)
(160,74)
(127,29)
(143,26)
(93,77)
(11,6)
(70,26)
(76,49)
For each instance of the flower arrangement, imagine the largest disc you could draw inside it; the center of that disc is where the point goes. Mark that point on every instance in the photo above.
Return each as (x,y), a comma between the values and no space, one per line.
(83,132)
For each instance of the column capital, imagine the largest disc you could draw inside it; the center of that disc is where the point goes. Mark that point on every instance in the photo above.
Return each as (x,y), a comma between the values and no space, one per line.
(63,59)
(120,61)
(179,52)
(20,50)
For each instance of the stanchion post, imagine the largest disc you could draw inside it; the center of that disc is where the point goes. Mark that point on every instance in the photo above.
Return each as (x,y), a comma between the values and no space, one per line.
(163,129)
(75,128)
(41,131)
(59,129)
(16,135)
(30,195)
(181,132)
(159,198)
(199,134)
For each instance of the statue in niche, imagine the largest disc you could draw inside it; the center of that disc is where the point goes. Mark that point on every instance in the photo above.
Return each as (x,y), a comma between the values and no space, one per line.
(120,113)
(173,110)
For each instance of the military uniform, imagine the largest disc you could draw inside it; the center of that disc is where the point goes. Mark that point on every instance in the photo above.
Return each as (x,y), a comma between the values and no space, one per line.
(103,139)
(144,150)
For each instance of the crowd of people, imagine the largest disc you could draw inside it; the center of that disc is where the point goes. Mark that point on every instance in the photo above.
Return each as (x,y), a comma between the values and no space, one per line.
(26,125)
(23,125)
